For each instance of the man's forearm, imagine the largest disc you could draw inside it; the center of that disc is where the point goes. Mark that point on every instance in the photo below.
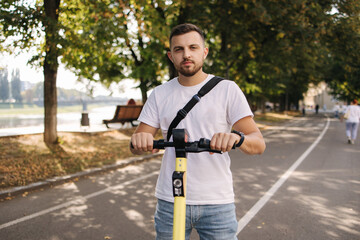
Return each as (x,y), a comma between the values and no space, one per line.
(253,144)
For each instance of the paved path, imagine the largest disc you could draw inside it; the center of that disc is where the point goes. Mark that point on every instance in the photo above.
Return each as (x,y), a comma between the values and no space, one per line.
(305,186)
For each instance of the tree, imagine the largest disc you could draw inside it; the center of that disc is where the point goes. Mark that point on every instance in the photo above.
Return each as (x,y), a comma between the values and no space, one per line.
(22,25)
(16,85)
(4,85)
(343,40)
(50,21)
(121,39)
(270,48)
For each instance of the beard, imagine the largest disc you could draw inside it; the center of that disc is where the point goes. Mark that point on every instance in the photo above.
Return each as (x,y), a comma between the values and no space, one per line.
(189,72)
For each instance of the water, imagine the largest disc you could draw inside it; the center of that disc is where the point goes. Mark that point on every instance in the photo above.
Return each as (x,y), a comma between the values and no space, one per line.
(96,116)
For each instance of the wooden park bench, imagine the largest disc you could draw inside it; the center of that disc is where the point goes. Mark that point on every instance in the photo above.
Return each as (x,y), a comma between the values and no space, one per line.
(125,113)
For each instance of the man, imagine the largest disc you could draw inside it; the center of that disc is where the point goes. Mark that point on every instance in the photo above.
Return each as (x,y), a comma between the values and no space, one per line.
(210,196)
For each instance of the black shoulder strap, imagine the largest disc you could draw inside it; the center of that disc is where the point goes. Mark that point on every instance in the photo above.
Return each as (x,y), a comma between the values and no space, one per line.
(193,101)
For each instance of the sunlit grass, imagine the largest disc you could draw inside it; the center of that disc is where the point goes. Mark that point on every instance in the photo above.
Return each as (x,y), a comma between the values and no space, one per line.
(26,159)
(275,117)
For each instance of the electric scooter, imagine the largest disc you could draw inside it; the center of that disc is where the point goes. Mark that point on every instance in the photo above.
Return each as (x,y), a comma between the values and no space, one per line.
(182,147)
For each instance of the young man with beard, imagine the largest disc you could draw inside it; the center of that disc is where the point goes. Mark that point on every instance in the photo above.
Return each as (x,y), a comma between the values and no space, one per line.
(210,195)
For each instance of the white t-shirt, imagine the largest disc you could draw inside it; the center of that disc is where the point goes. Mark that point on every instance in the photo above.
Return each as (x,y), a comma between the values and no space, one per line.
(209,179)
(354,113)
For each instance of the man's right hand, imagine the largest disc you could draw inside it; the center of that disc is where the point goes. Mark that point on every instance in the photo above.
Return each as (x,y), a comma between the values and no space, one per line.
(143,139)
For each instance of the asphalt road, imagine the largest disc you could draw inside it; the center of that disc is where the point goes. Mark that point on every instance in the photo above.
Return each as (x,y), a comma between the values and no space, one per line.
(305,186)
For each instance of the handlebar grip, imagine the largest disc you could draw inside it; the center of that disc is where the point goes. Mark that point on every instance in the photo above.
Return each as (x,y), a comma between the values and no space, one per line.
(205,143)
(158,144)
(162,144)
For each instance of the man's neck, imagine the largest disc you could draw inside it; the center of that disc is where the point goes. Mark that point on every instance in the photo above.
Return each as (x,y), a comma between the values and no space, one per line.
(193,80)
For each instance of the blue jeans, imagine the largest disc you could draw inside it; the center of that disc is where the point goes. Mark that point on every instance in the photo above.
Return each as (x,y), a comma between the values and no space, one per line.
(217,222)
(351,129)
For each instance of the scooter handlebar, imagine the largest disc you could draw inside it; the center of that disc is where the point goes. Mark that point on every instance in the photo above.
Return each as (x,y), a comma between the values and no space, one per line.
(203,145)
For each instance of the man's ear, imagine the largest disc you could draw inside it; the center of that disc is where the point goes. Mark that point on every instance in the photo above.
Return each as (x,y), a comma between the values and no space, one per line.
(206,51)
(170,56)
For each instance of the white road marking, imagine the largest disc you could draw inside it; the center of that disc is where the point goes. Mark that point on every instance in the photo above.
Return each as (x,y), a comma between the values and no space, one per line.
(76,200)
(262,201)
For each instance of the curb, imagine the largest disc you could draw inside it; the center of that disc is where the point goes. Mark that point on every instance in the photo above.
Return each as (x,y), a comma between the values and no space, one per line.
(12,192)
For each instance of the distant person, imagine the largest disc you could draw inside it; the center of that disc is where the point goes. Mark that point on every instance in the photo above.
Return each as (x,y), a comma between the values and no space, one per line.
(131,102)
(352,121)
(303,110)
(317,108)
(342,109)
(336,110)
(84,106)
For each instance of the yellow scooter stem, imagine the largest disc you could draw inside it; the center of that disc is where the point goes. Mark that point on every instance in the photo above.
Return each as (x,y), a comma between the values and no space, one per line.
(179,218)
(180,203)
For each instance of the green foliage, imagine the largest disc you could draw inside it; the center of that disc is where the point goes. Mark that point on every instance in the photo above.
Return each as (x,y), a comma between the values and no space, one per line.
(344,45)
(272,49)
(20,25)
(89,40)
(107,41)
(272,45)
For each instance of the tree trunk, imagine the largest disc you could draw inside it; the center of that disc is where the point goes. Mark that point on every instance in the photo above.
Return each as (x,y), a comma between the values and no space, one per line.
(50,71)
(50,105)
(143,89)
(263,105)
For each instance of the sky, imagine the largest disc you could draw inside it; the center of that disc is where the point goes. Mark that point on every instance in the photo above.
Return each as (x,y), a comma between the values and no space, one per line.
(65,79)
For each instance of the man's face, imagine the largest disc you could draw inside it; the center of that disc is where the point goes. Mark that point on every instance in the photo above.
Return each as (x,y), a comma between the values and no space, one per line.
(188,53)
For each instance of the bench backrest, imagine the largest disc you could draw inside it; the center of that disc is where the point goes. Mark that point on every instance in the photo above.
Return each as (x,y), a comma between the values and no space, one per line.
(128,111)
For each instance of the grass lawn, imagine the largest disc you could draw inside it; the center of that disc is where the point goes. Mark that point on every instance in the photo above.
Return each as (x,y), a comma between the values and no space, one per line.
(26,159)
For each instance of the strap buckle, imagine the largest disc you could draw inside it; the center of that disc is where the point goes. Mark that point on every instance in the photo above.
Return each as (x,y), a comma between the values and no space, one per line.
(196,98)
(182,113)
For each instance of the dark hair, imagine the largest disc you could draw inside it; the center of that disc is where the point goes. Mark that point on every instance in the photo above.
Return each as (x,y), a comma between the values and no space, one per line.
(355,101)
(131,101)
(185,28)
